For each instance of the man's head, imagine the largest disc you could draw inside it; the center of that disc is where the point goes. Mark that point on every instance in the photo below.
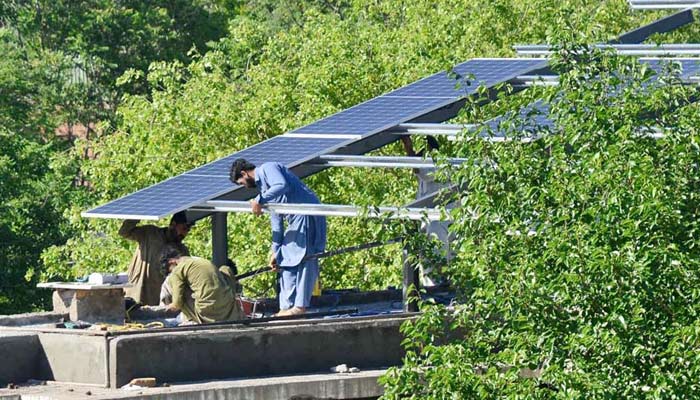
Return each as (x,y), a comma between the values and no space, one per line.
(433,144)
(179,225)
(169,257)
(243,173)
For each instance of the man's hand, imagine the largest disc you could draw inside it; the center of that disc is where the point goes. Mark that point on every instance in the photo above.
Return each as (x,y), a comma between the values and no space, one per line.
(273,263)
(173,308)
(256,207)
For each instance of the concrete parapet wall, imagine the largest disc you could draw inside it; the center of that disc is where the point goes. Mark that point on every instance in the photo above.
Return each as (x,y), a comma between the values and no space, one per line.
(19,354)
(313,346)
(37,318)
(73,358)
(200,352)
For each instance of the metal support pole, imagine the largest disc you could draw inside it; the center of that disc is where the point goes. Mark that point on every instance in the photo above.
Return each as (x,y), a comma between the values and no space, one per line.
(219,236)
(411,283)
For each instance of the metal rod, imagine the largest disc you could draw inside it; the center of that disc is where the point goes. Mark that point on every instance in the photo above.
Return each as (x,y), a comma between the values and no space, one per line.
(219,238)
(337,160)
(662,4)
(430,129)
(534,80)
(681,49)
(325,254)
(332,210)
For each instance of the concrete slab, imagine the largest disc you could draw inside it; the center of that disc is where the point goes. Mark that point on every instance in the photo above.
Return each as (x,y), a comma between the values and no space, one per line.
(91,305)
(305,347)
(73,358)
(20,354)
(361,385)
(39,318)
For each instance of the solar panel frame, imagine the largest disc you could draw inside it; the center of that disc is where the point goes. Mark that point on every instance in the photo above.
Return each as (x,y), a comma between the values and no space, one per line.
(535,115)
(435,99)
(209,175)
(215,173)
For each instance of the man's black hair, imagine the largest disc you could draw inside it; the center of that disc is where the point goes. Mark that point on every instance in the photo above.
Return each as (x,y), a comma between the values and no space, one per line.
(433,143)
(179,218)
(168,252)
(238,167)
(231,264)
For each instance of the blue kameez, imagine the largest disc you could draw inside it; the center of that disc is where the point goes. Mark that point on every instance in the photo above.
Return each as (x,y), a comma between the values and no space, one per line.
(304,234)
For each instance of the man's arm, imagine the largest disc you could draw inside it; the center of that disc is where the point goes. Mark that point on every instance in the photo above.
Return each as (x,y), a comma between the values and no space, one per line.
(408,146)
(177,287)
(277,184)
(129,230)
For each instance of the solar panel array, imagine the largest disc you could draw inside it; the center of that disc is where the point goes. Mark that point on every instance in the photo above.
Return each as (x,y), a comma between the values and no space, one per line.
(534,117)
(421,97)
(211,180)
(424,96)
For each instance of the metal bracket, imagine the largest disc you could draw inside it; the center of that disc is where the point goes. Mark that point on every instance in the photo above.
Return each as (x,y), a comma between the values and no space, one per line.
(331,210)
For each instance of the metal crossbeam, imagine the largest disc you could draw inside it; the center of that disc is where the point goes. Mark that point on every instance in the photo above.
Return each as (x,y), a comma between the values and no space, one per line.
(452,131)
(331,210)
(428,129)
(379,161)
(663,4)
(649,50)
(535,80)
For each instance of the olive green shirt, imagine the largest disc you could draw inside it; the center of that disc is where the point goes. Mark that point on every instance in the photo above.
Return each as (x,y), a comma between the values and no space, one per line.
(214,298)
(144,269)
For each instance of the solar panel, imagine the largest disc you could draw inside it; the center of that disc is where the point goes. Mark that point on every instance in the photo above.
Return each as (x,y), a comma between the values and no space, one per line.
(481,71)
(373,115)
(690,67)
(535,116)
(421,97)
(211,180)
(529,119)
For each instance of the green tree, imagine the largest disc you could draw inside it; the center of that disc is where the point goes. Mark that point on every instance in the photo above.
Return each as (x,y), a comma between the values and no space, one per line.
(260,81)
(33,194)
(578,259)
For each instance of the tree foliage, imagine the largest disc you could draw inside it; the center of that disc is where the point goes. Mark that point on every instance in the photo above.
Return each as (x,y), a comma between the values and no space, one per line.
(578,252)
(270,76)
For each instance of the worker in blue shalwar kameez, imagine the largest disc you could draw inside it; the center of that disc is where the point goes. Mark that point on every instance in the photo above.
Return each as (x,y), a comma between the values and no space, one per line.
(304,235)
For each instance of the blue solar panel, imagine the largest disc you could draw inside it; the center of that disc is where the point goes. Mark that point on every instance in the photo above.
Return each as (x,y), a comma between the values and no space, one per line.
(689,67)
(534,117)
(162,198)
(282,149)
(211,180)
(470,74)
(421,97)
(374,115)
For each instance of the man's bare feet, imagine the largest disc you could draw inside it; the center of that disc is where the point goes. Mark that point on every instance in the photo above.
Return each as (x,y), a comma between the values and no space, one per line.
(291,311)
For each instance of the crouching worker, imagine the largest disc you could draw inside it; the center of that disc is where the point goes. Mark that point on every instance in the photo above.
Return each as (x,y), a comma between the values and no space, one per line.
(202,292)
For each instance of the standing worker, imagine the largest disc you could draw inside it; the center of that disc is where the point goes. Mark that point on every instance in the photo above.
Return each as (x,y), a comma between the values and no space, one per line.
(144,271)
(305,234)
(200,290)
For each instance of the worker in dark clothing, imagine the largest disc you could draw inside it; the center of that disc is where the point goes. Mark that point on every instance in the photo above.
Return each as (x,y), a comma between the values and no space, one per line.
(144,272)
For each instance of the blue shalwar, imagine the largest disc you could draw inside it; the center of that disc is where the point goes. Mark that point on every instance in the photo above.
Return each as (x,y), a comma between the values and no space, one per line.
(304,235)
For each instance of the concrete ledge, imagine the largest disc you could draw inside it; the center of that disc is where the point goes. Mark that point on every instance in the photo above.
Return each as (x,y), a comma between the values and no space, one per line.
(38,318)
(73,358)
(250,352)
(361,385)
(19,354)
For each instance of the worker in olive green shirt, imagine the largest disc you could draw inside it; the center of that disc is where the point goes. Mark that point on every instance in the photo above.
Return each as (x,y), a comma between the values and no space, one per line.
(144,269)
(203,292)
